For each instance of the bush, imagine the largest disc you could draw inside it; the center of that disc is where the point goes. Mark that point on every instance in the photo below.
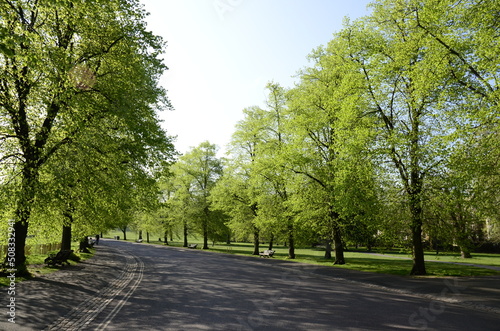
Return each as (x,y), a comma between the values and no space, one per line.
(488,247)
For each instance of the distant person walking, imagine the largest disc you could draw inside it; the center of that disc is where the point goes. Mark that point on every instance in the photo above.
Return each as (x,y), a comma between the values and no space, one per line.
(97,239)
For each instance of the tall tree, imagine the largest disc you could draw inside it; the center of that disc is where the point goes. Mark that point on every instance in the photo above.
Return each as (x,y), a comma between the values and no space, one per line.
(199,169)
(233,195)
(62,72)
(273,174)
(330,136)
(404,80)
(237,191)
(464,33)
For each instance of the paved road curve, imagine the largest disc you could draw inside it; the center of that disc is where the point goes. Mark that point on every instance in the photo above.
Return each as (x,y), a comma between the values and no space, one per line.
(195,290)
(145,287)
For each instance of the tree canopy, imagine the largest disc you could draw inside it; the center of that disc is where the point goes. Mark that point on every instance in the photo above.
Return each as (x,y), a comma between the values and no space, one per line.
(389,137)
(68,81)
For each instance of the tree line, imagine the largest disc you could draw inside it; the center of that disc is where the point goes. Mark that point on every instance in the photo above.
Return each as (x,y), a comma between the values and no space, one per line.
(80,140)
(389,137)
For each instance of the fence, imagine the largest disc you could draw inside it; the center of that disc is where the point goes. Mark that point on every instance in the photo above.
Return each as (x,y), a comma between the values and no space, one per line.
(33,249)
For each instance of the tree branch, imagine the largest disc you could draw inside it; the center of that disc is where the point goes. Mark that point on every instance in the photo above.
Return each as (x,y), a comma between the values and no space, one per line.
(320,182)
(458,55)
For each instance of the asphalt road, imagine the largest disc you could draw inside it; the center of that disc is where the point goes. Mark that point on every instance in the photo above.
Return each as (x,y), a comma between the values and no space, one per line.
(195,290)
(166,288)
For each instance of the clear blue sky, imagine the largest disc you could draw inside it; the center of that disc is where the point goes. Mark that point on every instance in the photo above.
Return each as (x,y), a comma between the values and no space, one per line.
(221,54)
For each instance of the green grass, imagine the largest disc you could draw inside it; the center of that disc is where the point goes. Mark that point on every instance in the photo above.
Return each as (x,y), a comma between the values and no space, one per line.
(397,266)
(37,266)
(394,262)
(477,258)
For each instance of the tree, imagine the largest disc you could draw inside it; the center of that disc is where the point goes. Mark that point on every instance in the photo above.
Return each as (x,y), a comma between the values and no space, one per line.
(463,196)
(179,201)
(61,73)
(237,191)
(404,78)
(271,167)
(233,196)
(330,137)
(463,33)
(197,173)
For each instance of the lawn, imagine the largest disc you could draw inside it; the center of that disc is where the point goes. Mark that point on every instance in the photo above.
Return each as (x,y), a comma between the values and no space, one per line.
(394,262)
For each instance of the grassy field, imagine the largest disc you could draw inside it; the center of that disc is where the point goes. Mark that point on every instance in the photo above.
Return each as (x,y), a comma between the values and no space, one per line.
(391,262)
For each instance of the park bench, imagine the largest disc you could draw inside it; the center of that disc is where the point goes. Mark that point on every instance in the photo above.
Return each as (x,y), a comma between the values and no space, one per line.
(59,258)
(193,246)
(267,253)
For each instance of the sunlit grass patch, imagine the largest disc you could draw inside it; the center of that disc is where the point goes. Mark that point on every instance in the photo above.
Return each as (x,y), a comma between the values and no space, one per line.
(394,263)
(37,267)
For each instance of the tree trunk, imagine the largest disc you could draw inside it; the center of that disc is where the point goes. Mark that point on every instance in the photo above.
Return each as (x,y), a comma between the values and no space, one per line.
(337,237)
(23,213)
(271,242)
(339,246)
(165,237)
(124,230)
(66,231)
(414,191)
(291,239)
(464,244)
(418,251)
(140,234)
(66,237)
(20,234)
(185,234)
(205,236)
(465,254)
(328,251)
(461,236)
(147,237)
(255,241)
(418,267)
(205,228)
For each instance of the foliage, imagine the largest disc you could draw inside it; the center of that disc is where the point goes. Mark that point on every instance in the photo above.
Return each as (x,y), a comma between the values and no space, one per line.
(194,176)
(389,138)
(67,80)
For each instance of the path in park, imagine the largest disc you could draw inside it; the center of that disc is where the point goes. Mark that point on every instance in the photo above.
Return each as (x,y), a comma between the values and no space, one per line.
(128,286)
